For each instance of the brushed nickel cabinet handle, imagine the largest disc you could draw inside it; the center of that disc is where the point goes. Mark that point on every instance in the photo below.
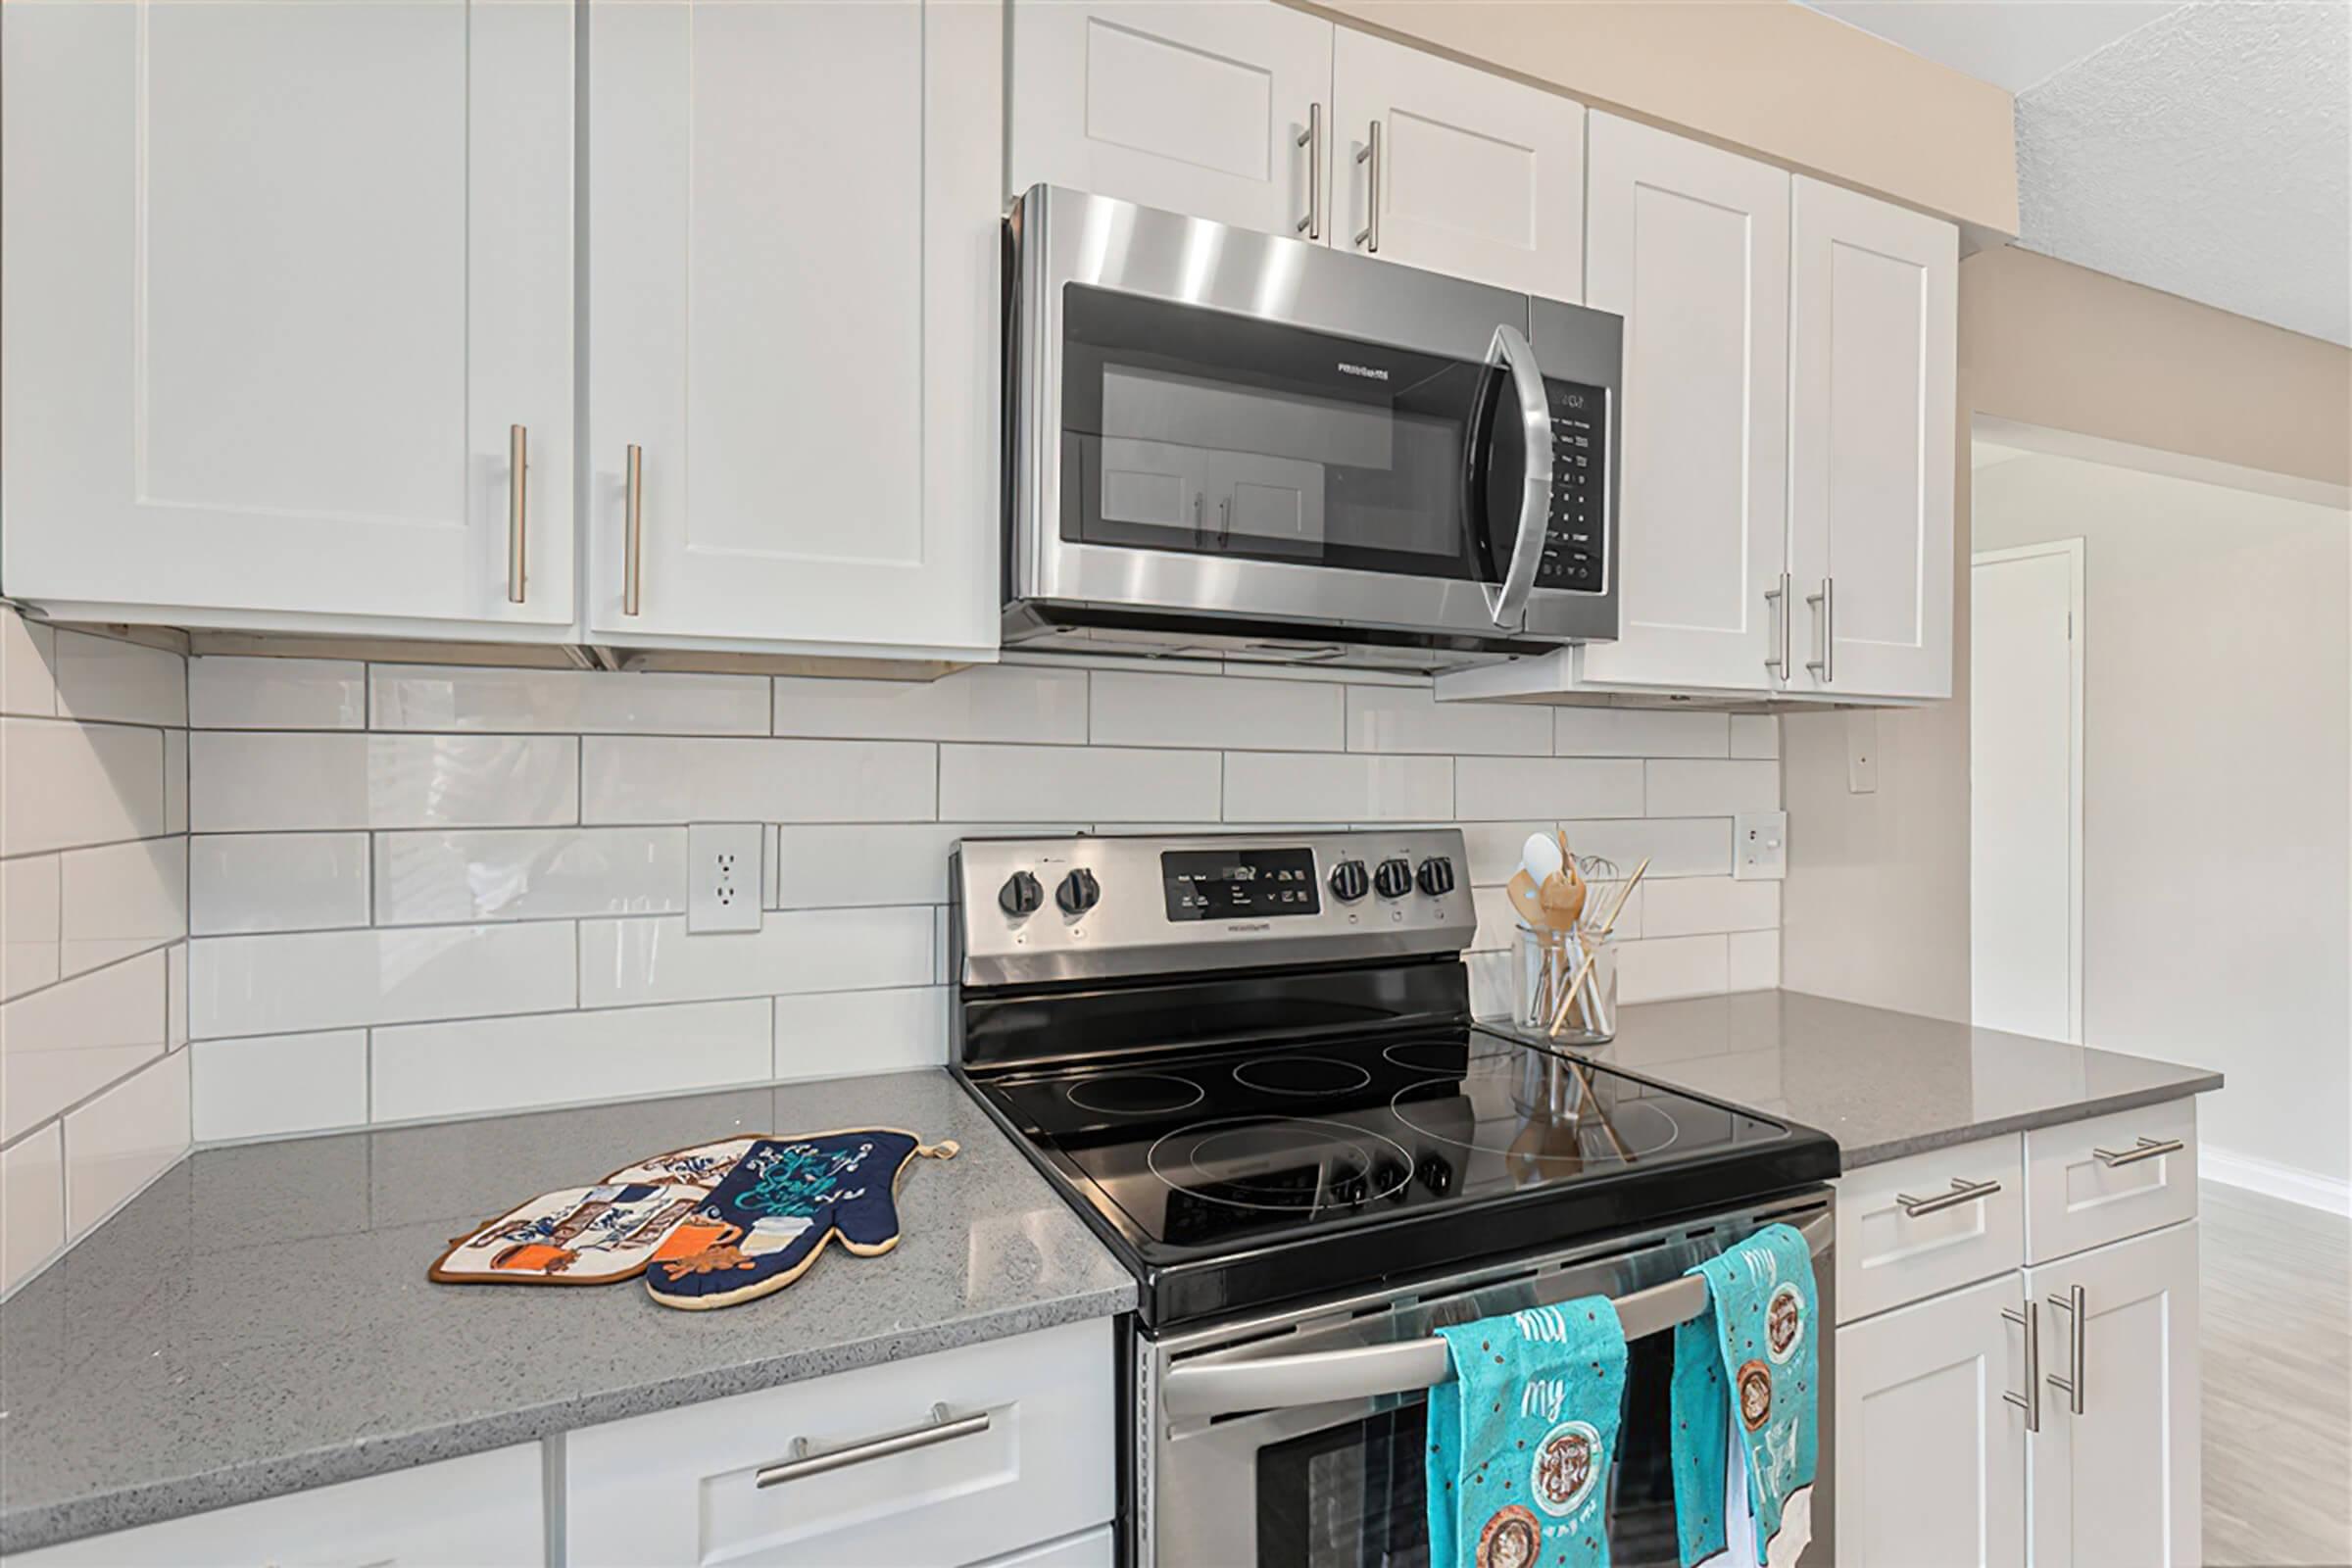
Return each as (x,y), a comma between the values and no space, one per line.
(2149,1148)
(518,469)
(1963,1191)
(805,1461)
(2029,1401)
(1826,665)
(1370,157)
(633,576)
(1775,600)
(1311,138)
(2078,1310)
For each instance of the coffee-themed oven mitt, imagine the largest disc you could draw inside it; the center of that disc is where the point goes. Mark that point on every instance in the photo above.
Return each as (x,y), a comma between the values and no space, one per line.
(573,1236)
(785,1200)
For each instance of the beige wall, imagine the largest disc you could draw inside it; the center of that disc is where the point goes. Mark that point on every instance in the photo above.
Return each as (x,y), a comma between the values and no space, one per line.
(1763,74)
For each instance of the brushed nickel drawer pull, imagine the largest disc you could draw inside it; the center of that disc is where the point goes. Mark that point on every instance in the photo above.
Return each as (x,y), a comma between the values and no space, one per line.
(2029,1401)
(633,578)
(1963,1191)
(1311,138)
(1370,158)
(1826,665)
(805,1461)
(2149,1148)
(2078,1310)
(1776,598)
(518,469)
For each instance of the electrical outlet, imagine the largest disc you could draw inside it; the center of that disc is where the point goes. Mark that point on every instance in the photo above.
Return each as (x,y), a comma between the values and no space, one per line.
(1760,845)
(723,861)
(1861,753)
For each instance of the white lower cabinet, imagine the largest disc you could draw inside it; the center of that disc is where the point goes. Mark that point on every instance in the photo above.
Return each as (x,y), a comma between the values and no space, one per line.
(2115,1465)
(487,1508)
(1021,1459)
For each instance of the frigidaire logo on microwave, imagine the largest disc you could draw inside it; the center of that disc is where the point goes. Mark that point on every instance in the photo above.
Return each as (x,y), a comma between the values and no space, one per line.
(1368,371)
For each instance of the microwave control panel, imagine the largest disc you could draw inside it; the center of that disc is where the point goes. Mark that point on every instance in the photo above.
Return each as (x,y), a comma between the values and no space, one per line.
(1575,537)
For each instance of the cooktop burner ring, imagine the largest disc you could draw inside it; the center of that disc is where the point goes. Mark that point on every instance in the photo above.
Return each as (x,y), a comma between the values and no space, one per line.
(1626,1118)
(1342,1077)
(1380,1163)
(1182,1096)
(1414,1056)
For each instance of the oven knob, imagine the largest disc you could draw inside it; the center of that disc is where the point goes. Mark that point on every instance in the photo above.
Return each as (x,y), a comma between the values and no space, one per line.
(1436,1174)
(1347,881)
(1394,879)
(1020,894)
(1437,876)
(1392,1179)
(1078,892)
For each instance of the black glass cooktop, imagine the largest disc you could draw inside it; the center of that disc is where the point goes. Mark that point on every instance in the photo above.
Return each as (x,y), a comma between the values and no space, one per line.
(1251,1173)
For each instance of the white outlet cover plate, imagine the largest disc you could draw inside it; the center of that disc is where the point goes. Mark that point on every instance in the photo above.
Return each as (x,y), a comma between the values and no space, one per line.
(1760,845)
(724,865)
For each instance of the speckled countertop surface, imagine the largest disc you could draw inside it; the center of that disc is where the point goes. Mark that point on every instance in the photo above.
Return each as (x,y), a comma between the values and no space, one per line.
(259,1320)
(1884,1083)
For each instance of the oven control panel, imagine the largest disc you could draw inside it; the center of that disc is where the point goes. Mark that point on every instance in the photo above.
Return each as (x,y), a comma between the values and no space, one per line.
(1076,908)
(1576,536)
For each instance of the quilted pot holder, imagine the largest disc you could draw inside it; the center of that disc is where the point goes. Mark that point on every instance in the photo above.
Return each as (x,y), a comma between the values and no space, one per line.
(703,1165)
(764,1226)
(574,1236)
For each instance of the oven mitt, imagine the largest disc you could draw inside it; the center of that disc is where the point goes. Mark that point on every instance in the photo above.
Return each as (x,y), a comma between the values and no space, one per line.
(573,1236)
(703,1165)
(764,1226)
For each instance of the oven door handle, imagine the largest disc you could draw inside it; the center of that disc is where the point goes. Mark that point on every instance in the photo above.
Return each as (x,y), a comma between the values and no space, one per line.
(1510,349)
(1406,1366)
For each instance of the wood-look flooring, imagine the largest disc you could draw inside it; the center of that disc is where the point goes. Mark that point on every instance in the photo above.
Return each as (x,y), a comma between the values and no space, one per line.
(2278,1376)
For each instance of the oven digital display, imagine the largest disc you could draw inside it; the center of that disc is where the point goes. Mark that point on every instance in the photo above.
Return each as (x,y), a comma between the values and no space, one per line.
(1230,884)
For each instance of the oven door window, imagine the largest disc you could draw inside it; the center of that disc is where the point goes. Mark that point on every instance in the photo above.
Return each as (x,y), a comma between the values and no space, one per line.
(1353,1495)
(1193,431)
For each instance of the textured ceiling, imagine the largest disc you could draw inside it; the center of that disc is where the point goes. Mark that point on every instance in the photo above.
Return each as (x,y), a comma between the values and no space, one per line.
(2008,45)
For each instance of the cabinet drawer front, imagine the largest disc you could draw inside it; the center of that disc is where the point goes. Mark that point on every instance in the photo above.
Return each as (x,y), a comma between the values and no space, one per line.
(683,1485)
(1907,1228)
(2089,1183)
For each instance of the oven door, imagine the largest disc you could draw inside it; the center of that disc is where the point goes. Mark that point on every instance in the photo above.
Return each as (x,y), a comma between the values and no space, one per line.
(1332,1477)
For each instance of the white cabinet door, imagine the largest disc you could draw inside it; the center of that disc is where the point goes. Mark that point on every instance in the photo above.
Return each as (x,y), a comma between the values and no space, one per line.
(1875,298)
(1691,245)
(1476,175)
(278,280)
(1198,109)
(795,318)
(1931,1457)
(484,1509)
(2115,1481)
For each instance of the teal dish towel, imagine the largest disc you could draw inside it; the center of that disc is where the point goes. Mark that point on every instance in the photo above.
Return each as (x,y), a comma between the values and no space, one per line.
(1747,1381)
(1521,1439)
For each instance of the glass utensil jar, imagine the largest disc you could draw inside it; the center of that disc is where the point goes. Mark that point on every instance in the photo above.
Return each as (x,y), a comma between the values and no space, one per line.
(1579,964)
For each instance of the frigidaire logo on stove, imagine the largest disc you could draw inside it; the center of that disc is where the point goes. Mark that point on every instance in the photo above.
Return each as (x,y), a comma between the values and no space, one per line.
(1257,925)
(1370,372)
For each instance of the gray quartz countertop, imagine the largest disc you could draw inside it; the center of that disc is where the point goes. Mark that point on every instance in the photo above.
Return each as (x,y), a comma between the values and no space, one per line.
(259,1320)
(1884,1083)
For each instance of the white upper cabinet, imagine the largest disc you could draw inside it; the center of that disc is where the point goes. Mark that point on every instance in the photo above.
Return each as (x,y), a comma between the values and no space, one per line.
(794,321)
(1873,320)
(1690,244)
(278,280)
(1203,110)
(1440,166)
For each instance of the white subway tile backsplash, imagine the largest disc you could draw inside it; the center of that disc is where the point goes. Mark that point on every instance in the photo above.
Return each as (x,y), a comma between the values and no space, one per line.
(27,666)
(1410,718)
(458,1069)
(64,785)
(32,1203)
(226,692)
(631,779)
(279,1084)
(528,874)
(1492,990)
(1654,970)
(834,867)
(566,701)
(247,781)
(1348,787)
(1711,788)
(1674,846)
(1143,707)
(628,962)
(1497,921)
(828,1033)
(1639,732)
(120,899)
(1078,784)
(1755,735)
(175,996)
(1497,849)
(255,985)
(988,703)
(1754,961)
(175,781)
(124,1139)
(1515,789)
(105,678)
(250,882)
(28,924)
(1693,906)
(77,1036)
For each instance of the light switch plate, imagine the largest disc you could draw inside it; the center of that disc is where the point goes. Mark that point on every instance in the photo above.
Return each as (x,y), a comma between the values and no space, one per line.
(723,861)
(1861,753)
(1760,845)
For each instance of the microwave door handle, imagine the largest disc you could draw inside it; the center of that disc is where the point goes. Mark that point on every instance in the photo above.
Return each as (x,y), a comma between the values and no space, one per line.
(1404,1366)
(1511,350)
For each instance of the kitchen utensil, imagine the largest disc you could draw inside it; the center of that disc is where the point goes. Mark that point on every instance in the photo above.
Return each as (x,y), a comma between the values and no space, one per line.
(1541,858)
(1522,892)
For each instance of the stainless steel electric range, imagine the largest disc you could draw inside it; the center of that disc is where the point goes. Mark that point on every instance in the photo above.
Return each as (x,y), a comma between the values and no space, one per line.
(1248,1060)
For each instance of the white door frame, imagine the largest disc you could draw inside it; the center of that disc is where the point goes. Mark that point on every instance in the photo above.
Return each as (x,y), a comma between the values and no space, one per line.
(2072,549)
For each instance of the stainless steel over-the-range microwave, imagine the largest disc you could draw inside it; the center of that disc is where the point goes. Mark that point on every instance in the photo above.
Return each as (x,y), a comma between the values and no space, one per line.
(1242,445)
